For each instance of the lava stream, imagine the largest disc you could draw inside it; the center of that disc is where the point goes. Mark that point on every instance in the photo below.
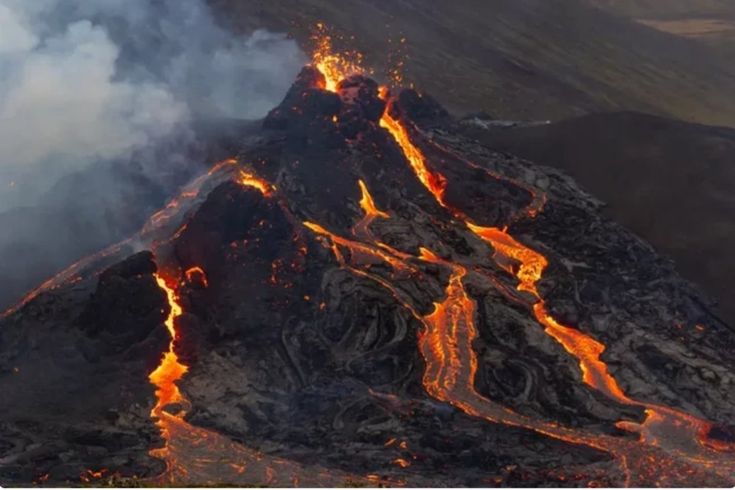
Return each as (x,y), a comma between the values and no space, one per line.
(165,376)
(248,179)
(532,265)
(656,430)
(362,228)
(435,182)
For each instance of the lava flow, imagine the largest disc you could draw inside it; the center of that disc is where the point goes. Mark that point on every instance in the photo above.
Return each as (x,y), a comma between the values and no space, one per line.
(362,228)
(446,343)
(678,432)
(197,456)
(165,376)
(248,179)
(532,265)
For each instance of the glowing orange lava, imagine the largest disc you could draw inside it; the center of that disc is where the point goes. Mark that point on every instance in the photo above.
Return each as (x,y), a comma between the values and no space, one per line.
(333,65)
(359,248)
(200,457)
(451,363)
(165,376)
(251,180)
(362,228)
(192,273)
(368,204)
(161,218)
(530,270)
(433,181)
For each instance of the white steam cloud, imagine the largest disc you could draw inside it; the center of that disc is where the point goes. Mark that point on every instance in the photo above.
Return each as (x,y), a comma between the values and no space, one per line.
(87,80)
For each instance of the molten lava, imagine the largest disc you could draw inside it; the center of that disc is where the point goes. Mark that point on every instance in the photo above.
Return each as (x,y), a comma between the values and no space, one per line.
(334,66)
(251,180)
(196,273)
(530,270)
(168,372)
(362,228)
(368,204)
(446,341)
(433,181)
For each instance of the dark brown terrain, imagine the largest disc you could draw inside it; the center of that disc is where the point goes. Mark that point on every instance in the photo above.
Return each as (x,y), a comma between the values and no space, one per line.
(520,59)
(710,22)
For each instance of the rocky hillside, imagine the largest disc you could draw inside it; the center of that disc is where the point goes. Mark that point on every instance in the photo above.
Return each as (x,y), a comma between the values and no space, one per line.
(519,59)
(711,22)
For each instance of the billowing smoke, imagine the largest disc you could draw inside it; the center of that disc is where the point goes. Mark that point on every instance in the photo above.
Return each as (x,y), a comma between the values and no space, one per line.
(85,80)
(102,105)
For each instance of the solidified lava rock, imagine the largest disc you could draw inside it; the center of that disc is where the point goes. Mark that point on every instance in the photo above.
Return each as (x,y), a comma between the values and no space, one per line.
(421,108)
(127,304)
(295,344)
(307,112)
(74,365)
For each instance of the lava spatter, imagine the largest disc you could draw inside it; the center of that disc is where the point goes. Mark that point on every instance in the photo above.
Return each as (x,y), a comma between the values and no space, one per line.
(335,66)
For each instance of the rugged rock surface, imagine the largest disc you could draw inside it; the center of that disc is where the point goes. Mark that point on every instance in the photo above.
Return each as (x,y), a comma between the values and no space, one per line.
(302,330)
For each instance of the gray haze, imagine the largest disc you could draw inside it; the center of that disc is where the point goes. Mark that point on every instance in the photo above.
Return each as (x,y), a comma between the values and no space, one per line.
(106,108)
(82,81)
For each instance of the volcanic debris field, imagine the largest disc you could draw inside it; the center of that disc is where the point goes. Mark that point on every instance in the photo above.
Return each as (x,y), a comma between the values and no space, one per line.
(364,297)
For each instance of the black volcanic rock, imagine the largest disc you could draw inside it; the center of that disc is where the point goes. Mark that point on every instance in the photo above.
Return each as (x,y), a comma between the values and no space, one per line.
(361,105)
(420,108)
(307,112)
(73,367)
(127,304)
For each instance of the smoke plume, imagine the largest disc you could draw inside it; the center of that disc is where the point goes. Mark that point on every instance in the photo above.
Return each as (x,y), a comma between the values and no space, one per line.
(106,107)
(82,81)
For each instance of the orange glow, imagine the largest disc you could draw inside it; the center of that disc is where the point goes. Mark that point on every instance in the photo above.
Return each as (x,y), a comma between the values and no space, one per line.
(160,218)
(583,347)
(445,342)
(531,266)
(446,365)
(362,228)
(250,180)
(358,248)
(433,181)
(193,272)
(429,256)
(87,476)
(368,205)
(218,166)
(169,371)
(587,351)
(334,66)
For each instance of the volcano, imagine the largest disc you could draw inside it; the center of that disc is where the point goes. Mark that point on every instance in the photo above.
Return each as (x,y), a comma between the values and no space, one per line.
(363,296)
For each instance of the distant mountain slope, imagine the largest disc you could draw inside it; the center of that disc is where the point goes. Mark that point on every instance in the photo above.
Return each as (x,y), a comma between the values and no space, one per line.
(520,59)
(671,182)
(671,9)
(708,21)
